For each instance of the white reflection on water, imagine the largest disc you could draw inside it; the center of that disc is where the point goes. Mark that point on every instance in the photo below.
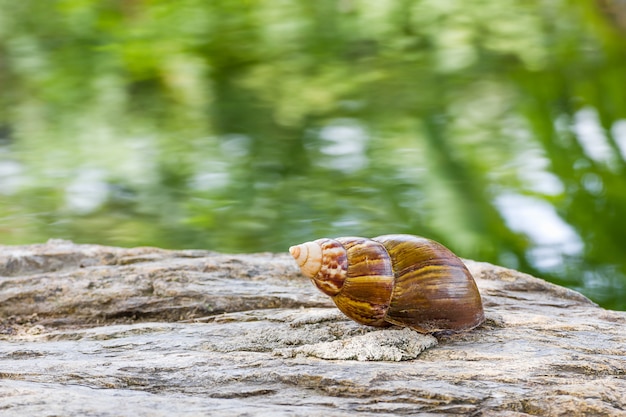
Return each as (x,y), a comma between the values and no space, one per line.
(533,172)
(553,238)
(592,183)
(87,191)
(11,178)
(205,180)
(344,145)
(235,145)
(618,130)
(591,136)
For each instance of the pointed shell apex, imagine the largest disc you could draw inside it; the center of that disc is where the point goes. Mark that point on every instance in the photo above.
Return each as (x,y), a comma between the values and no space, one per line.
(308,256)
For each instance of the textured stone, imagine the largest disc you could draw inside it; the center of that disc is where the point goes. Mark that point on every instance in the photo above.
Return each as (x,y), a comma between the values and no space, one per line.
(93,330)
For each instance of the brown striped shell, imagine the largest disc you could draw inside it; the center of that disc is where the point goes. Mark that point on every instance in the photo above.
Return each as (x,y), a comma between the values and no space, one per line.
(405,280)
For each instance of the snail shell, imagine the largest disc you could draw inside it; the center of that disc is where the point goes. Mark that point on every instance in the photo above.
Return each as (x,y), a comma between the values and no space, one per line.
(405,280)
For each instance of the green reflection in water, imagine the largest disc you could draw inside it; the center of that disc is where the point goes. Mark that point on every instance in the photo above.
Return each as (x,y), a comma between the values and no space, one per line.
(496,128)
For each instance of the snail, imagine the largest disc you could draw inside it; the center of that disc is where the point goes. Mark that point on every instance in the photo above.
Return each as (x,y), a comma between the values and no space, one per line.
(404,280)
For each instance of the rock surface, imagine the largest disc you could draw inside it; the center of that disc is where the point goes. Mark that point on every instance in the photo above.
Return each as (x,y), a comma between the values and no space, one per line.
(102,331)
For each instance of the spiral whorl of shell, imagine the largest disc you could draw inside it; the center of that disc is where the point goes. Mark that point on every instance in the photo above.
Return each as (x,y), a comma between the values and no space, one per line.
(434,290)
(356,272)
(308,257)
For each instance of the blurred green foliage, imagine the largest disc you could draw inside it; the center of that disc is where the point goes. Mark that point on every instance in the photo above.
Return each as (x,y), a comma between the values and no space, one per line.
(497,128)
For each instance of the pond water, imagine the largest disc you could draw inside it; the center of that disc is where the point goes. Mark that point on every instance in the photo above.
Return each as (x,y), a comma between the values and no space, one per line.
(498,129)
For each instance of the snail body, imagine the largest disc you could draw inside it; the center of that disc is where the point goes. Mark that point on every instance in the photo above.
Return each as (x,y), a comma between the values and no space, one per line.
(404,280)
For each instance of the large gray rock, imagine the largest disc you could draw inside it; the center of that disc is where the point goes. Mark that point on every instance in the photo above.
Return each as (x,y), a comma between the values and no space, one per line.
(101,331)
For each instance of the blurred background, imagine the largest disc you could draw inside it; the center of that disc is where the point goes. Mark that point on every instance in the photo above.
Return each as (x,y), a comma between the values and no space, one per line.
(497,128)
